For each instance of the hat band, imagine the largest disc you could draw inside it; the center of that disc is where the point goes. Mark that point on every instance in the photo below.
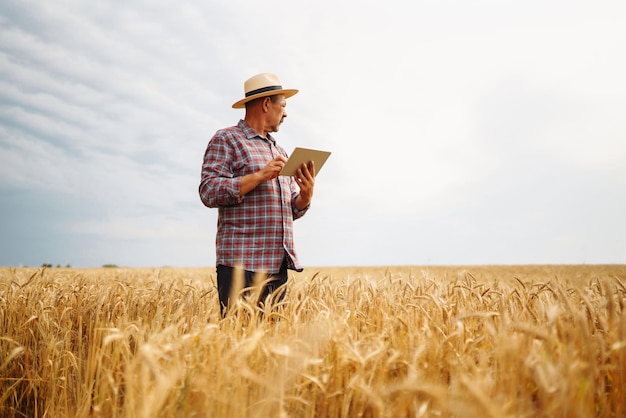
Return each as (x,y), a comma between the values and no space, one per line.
(263,90)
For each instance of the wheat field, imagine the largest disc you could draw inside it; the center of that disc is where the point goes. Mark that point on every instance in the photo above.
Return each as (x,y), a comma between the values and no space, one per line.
(477,341)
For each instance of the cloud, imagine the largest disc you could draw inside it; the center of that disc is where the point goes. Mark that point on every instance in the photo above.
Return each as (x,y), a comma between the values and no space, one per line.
(482,132)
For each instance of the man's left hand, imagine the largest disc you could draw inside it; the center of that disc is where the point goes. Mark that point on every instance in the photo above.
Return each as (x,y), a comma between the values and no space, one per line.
(305,177)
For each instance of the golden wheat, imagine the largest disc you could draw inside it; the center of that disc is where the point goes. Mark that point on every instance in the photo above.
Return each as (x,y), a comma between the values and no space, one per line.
(491,341)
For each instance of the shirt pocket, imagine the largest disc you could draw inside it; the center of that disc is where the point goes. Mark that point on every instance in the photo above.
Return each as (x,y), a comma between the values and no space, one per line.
(240,166)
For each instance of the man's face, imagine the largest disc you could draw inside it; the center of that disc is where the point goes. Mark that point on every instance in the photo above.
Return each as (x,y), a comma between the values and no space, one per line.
(276,113)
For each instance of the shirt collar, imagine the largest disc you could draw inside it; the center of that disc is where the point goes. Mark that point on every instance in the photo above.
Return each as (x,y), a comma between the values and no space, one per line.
(251,133)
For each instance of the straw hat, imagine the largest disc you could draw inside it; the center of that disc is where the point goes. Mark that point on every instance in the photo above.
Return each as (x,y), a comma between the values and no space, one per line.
(262,85)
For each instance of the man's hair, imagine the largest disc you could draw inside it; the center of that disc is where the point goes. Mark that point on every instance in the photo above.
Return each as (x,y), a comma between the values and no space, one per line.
(273,98)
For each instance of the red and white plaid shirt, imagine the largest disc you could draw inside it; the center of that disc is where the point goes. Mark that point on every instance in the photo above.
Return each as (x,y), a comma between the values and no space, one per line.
(254,231)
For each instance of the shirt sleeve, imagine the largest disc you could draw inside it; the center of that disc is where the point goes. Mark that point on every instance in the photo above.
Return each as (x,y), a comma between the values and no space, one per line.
(218,184)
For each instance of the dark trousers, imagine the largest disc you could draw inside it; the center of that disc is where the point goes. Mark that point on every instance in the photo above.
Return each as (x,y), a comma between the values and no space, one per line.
(225,284)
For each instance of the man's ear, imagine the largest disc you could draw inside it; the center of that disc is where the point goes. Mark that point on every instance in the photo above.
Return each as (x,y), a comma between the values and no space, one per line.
(266,103)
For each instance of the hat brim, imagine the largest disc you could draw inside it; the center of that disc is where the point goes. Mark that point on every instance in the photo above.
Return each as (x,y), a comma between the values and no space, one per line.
(242,103)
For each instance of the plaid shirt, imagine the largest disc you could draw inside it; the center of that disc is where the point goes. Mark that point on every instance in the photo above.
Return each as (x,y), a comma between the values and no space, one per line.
(254,231)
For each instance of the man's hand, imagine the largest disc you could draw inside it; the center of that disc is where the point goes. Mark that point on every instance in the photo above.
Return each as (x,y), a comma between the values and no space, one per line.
(305,178)
(269,172)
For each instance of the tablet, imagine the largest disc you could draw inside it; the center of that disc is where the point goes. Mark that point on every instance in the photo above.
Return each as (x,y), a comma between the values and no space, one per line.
(300,156)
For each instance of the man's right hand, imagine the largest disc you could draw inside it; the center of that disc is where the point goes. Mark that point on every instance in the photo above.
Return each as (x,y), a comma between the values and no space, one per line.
(269,172)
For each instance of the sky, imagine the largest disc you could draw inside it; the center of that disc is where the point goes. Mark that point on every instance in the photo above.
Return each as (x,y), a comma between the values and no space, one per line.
(462,133)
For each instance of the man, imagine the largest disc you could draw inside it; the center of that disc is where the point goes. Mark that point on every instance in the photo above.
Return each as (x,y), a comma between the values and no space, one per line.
(256,206)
